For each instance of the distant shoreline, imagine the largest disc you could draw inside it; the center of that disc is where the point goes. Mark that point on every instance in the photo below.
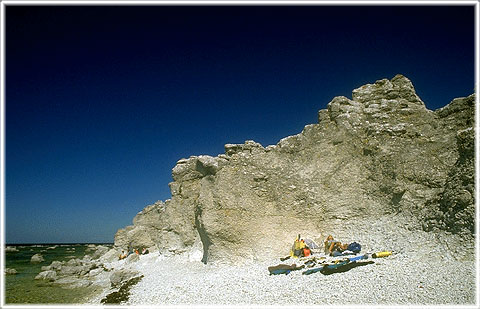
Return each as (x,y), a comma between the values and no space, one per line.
(60,244)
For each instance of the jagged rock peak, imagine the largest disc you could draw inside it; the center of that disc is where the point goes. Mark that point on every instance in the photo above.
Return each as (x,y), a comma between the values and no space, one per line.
(247,147)
(378,107)
(197,167)
(398,88)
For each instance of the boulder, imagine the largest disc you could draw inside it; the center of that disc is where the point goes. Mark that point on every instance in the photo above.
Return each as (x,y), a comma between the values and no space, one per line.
(71,270)
(11,249)
(37,258)
(95,272)
(99,251)
(48,275)
(74,262)
(10,271)
(110,256)
(72,282)
(123,275)
(56,265)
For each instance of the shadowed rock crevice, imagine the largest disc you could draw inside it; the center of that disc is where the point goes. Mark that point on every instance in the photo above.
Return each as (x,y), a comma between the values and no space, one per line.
(202,233)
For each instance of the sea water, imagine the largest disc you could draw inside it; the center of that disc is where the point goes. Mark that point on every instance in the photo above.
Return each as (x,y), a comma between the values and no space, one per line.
(22,288)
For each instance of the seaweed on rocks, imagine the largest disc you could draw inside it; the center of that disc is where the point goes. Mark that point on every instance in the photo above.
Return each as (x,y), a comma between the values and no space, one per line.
(123,293)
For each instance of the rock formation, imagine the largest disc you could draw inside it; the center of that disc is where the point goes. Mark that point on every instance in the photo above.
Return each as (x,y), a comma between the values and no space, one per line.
(380,153)
(10,271)
(83,272)
(37,258)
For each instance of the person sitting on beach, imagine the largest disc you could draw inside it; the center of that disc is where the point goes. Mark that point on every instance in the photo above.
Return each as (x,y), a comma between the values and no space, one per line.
(329,244)
(136,252)
(122,255)
(332,245)
(338,249)
(145,251)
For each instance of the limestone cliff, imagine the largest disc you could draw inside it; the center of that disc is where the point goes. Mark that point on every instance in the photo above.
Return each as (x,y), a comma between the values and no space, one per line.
(380,153)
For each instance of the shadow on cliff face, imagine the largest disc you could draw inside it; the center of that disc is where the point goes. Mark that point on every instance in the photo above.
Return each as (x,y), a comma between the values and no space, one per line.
(454,208)
(201,231)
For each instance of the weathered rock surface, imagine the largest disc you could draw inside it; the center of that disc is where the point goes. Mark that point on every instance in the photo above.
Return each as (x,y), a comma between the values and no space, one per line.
(72,282)
(99,251)
(380,153)
(120,276)
(455,207)
(48,275)
(110,256)
(11,249)
(10,271)
(56,265)
(37,258)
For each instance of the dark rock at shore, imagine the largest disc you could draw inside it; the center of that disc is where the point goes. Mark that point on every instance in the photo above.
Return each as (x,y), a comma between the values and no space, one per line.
(123,293)
(119,277)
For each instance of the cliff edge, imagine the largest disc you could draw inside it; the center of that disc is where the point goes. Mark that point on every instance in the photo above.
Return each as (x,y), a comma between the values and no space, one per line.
(380,154)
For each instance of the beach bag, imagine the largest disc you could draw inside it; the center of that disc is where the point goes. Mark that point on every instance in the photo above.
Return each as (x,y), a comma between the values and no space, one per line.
(354,247)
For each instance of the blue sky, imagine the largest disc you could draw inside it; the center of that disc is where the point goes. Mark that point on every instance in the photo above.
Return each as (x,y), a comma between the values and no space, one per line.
(102,101)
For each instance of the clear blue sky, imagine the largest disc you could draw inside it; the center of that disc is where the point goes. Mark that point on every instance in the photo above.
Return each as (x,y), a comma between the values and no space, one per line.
(102,101)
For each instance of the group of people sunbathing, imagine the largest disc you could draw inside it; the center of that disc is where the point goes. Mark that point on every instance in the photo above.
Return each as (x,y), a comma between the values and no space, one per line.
(332,247)
(124,254)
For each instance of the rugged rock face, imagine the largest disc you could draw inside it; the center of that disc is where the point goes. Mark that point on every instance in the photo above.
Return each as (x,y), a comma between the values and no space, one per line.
(455,207)
(380,153)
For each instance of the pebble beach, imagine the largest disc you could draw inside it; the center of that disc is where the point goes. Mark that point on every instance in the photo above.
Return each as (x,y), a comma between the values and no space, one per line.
(416,274)
(395,280)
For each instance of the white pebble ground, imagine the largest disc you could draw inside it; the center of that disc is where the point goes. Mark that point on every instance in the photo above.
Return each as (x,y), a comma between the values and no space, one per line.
(393,280)
(422,271)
